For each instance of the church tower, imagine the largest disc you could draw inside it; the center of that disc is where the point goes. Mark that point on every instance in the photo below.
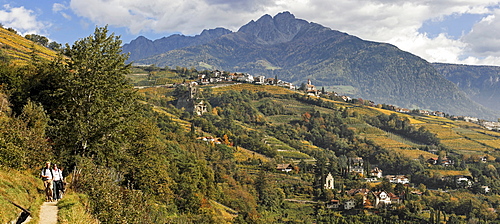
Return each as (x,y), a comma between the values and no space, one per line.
(329,182)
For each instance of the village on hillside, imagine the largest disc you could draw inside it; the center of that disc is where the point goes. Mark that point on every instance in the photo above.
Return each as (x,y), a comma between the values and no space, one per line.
(358,197)
(219,78)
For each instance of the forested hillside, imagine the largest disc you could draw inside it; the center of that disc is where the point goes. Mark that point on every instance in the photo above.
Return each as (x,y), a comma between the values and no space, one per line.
(480,83)
(255,154)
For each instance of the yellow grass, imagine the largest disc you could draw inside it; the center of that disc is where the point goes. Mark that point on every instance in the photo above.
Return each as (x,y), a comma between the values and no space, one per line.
(242,155)
(414,153)
(488,132)
(19,48)
(405,149)
(450,172)
(491,143)
(389,112)
(310,146)
(443,132)
(183,123)
(22,188)
(254,88)
(228,213)
(463,144)
(386,142)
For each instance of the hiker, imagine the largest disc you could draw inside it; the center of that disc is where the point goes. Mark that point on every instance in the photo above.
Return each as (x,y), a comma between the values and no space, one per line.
(47,181)
(58,182)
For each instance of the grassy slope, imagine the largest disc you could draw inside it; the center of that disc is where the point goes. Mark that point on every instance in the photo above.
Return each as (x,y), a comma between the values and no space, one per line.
(20,48)
(22,188)
(73,209)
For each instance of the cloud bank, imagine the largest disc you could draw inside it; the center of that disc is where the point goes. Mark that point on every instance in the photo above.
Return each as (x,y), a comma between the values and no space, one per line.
(25,21)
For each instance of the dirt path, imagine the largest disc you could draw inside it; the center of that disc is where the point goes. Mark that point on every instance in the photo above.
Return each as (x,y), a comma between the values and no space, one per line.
(48,213)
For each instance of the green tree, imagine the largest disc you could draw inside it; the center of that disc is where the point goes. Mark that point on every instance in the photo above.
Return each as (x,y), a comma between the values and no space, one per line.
(37,39)
(93,104)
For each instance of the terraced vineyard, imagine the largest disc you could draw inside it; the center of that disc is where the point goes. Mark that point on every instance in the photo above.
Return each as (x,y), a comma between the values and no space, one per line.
(21,49)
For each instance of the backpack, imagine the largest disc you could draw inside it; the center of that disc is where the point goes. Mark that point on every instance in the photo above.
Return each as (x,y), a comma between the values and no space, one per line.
(43,178)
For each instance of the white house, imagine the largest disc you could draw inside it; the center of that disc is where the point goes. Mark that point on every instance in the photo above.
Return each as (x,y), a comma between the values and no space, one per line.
(350,204)
(463,181)
(245,78)
(356,165)
(381,198)
(333,204)
(485,189)
(398,179)
(376,172)
(284,167)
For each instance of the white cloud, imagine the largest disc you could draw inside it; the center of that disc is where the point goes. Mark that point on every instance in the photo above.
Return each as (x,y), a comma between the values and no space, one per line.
(60,8)
(393,21)
(22,19)
(57,7)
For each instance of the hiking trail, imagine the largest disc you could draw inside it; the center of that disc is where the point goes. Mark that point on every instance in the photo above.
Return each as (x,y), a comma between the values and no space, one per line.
(48,213)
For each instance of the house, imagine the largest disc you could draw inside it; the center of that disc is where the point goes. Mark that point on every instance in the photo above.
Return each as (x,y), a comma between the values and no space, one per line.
(349,204)
(376,172)
(245,78)
(464,181)
(444,161)
(362,191)
(403,110)
(381,198)
(483,159)
(371,179)
(394,198)
(346,98)
(485,189)
(286,167)
(329,182)
(271,81)
(200,108)
(438,113)
(210,139)
(286,85)
(333,204)
(356,165)
(423,112)
(490,125)
(260,79)
(310,88)
(471,119)
(398,179)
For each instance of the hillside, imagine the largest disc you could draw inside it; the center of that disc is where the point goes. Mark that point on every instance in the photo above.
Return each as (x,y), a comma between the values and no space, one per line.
(297,50)
(21,49)
(480,83)
(173,151)
(280,126)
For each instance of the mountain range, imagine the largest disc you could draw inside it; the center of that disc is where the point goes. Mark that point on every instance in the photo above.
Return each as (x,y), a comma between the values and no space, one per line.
(296,50)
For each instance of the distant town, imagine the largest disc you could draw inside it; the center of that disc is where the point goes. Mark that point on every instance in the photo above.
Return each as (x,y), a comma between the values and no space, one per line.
(219,78)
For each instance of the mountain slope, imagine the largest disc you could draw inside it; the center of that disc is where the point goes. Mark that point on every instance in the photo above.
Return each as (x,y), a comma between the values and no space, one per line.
(480,83)
(142,47)
(296,50)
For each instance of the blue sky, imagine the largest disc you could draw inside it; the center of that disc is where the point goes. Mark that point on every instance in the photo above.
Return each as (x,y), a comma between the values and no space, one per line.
(451,31)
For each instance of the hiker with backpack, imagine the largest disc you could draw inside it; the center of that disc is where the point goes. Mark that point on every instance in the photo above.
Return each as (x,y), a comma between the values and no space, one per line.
(47,177)
(58,182)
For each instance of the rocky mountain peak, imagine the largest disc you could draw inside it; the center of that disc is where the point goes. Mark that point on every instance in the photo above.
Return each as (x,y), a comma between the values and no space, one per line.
(273,30)
(214,33)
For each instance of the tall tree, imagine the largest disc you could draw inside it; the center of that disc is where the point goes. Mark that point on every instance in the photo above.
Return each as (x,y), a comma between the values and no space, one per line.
(93,102)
